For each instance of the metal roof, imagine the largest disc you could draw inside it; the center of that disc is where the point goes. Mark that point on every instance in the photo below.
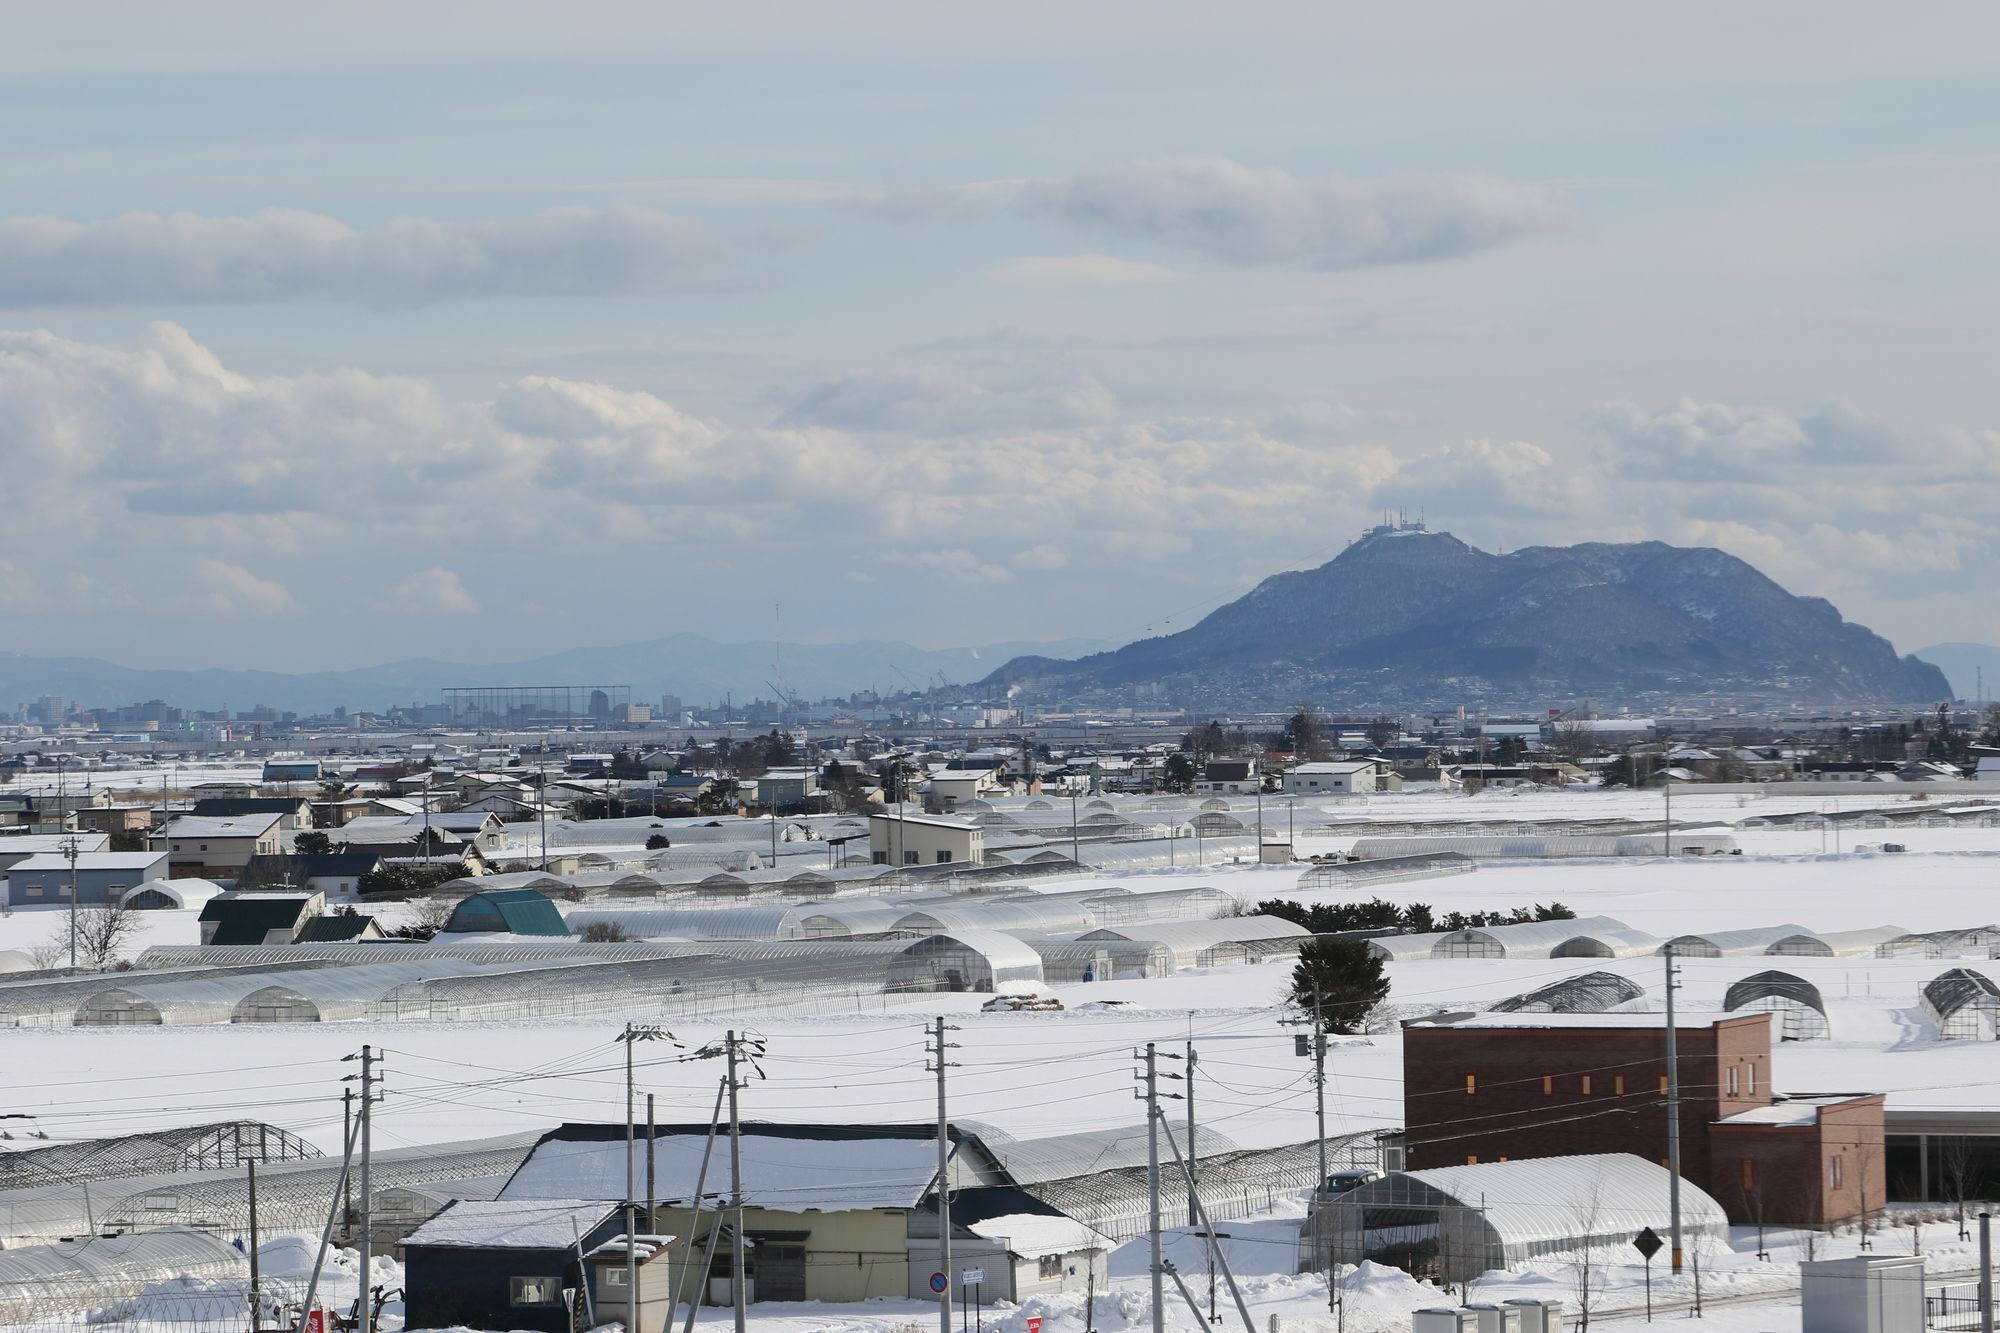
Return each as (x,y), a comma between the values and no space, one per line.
(1723,943)
(1959,988)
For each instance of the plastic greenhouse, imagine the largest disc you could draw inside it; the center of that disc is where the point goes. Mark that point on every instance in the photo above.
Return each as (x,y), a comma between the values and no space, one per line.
(1069,961)
(1205,943)
(1624,942)
(1794,1001)
(1385,870)
(37,1281)
(1728,943)
(1965,1005)
(1451,1224)
(1529,939)
(965,960)
(1836,943)
(1590,993)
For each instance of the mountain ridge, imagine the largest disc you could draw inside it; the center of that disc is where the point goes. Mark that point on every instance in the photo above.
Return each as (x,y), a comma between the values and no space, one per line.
(1414,610)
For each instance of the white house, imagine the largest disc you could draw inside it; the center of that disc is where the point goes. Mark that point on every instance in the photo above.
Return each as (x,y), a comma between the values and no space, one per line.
(1339,778)
(913,839)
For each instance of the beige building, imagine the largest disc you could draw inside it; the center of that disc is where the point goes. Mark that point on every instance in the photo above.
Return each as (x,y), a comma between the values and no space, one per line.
(924,840)
(201,847)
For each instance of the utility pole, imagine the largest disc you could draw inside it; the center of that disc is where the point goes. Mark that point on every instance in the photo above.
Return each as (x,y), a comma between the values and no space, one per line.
(1673,1118)
(71,848)
(652,1162)
(936,1049)
(1151,1096)
(1667,786)
(1986,1273)
(1193,1205)
(1075,847)
(346,1177)
(542,799)
(364,1315)
(256,1277)
(631,1204)
(736,1278)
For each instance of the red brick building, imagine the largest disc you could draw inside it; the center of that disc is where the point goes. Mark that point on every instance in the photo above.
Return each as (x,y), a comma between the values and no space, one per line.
(1503,1086)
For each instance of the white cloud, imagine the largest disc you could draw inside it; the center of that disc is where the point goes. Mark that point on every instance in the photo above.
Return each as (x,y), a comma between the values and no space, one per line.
(282,255)
(947,399)
(1042,559)
(432,592)
(223,589)
(1082,271)
(958,564)
(1249,215)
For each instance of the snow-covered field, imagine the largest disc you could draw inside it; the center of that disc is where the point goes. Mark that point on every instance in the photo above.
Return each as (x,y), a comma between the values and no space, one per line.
(1040,1073)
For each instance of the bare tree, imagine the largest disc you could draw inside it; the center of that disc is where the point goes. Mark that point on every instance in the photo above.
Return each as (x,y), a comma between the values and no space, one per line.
(102,934)
(1573,740)
(49,953)
(1585,1276)
(1955,1166)
(426,917)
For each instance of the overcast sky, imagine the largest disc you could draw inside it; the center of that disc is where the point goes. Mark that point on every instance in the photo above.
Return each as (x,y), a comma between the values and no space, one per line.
(482,330)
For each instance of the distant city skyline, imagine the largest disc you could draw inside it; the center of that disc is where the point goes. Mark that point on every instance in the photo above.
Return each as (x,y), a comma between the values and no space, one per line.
(382,335)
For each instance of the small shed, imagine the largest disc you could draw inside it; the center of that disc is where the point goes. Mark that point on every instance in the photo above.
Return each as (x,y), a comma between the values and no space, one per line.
(254,916)
(965,960)
(506,911)
(503,1263)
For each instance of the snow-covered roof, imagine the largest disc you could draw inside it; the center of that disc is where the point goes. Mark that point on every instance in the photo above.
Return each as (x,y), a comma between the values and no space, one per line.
(1032,1235)
(512,1224)
(786,1172)
(209,826)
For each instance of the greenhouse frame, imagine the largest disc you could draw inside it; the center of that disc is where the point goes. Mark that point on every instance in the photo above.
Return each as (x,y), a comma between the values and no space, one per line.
(1210,943)
(1965,1005)
(1066,961)
(1624,942)
(1792,1000)
(1451,1224)
(965,960)
(212,1146)
(1587,993)
(1385,870)
(40,1281)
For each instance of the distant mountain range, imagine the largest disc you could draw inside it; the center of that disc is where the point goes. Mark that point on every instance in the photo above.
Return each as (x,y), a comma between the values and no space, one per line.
(697,669)
(1420,615)
(1970,666)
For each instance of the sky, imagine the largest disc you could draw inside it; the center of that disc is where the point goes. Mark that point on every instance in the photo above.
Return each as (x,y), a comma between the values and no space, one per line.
(337,336)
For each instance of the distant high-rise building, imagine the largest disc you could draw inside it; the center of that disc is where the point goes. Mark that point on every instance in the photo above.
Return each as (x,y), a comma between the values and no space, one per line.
(48,709)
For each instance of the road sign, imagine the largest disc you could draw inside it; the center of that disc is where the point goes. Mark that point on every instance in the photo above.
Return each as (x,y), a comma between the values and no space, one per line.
(971,1277)
(1034,1323)
(315,1321)
(1647,1243)
(939,1282)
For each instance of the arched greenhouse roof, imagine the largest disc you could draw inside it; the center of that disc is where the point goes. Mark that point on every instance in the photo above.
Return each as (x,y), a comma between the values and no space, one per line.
(37,1281)
(1773,985)
(1513,1211)
(1528,939)
(1960,988)
(1589,993)
(1623,942)
(1836,943)
(1034,915)
(182,893)
(1723,943)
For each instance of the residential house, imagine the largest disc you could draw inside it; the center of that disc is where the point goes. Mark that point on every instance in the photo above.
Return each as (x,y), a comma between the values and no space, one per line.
(487,1263)
(202,847)
(1229,777)
(102,878)
(1340,778)
(294,812)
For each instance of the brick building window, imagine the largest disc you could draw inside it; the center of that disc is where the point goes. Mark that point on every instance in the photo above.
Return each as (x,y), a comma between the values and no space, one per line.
(1618,1085)
(1472,1159)
(1833,1172)
(1471,1084)
(1663,1085)
(1548,1085)
(1753,1078)
(1746,1168)
(1586,1085)
(1730,1081)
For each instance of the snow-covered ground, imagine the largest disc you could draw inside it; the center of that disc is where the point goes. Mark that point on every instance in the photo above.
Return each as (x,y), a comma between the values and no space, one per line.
(1040,1073)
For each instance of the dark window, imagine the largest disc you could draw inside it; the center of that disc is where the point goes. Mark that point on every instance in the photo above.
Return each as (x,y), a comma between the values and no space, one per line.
(1051,1266)
(943,857)
(534,1291)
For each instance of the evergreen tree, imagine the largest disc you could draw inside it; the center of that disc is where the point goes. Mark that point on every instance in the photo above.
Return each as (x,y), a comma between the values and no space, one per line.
(1338,983)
